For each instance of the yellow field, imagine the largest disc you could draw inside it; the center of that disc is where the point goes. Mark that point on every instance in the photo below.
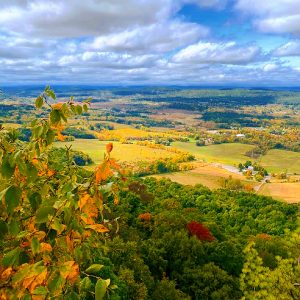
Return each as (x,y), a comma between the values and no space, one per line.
(205,174)
(122,152)
(129,133)
(11,125)
(289,192)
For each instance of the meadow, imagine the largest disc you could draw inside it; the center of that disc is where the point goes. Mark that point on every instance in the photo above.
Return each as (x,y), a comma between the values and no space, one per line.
(205,174)
(289,191)
(234,153)
(231,154)
(122,152)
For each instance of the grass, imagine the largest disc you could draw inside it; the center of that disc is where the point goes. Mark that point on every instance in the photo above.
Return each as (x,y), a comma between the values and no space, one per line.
(289,192)
(231,154)
(122,152)
(281,160)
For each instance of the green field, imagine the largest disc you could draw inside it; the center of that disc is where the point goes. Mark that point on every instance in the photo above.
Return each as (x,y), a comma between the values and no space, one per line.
(281,160)
(233,154)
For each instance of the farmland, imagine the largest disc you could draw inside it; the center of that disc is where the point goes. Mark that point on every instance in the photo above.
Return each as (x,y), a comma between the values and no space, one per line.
(231,154)
(205,174)
(290,192)
(148,125)
(122,152)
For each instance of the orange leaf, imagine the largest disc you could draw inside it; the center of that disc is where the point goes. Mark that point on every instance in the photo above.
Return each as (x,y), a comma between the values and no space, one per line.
(70,243)
(45,247)
(116,200)
(87,220)
(35,161)
(38,297)
(98,228)
(38,280)
(70,271)
(103,171)
(83,200)
(57,105)
(109,147)
(60,136)
(50,173)
(6,274)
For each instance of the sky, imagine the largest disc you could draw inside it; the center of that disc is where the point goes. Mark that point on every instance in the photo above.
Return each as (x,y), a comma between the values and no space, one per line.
(150,42)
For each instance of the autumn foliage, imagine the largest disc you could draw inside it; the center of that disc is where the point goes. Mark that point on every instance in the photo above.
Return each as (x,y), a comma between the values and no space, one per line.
(145,217)
(200,231)
(51,219)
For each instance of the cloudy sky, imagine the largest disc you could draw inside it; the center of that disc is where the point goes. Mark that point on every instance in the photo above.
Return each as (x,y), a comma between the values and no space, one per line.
(123,42)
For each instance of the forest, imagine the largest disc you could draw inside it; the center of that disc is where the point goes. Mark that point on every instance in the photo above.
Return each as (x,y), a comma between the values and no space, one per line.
(68,232)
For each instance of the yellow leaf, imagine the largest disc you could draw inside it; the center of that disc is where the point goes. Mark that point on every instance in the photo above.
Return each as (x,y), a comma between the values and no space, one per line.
(38,280)
(45,247)
(99,228)
(116,200)
(38,297)
(70,271)
(57,105)
(6,274)
(83,200)
(28,281)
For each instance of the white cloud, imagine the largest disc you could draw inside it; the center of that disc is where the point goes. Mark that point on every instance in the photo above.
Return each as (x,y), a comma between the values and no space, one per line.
(270,67)
(217,53)
(291,48)
(159,37)
(219,4)
(77,18)
(278,16)
(107,60)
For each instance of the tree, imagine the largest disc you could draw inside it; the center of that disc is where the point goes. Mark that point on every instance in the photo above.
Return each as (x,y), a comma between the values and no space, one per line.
(259,282)
(51,219)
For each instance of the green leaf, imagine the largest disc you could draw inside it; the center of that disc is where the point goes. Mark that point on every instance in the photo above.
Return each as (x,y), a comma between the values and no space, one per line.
(95,268)
(40,290)
(78,109)
(85,284)
(35,246)
(11,258)
(31,172)
(54,116)
(85,107)
(38,131)
(3,229)
(68,187)
(39,101)
(43,212)
(100,289)
(51,94)
(14,227)
(50,136)
(71,296)
(12,198)
(55,283)
(57,226)
(7,169)
(67,215)
(35,200)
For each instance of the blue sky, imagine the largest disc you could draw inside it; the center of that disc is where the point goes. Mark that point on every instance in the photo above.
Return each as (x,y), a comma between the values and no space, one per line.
(150,42)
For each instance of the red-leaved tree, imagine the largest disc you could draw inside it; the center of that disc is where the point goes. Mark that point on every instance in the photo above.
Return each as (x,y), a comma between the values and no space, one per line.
(200,231)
